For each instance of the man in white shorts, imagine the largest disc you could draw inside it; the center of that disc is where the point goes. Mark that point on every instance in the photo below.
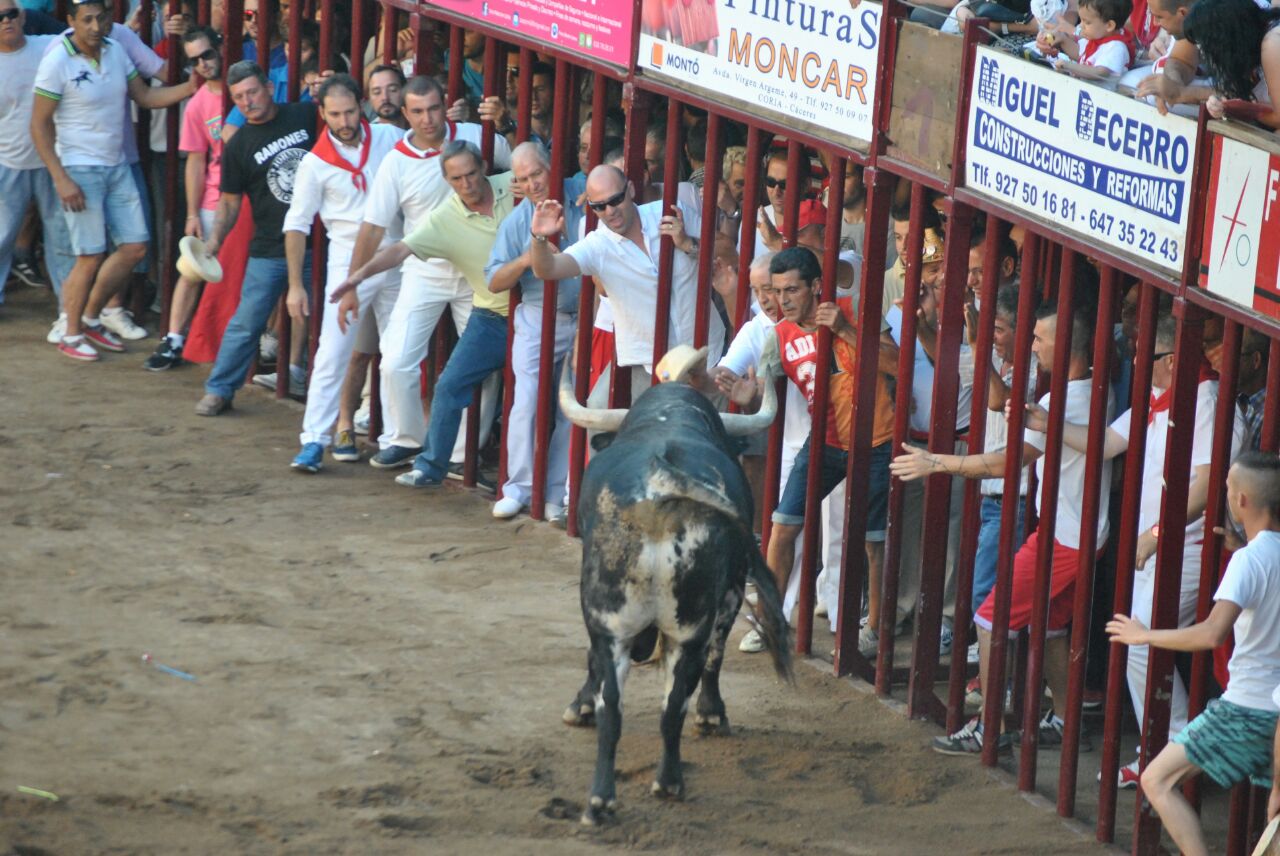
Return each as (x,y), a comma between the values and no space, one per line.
(1232,739)
(410,185)
(332,181)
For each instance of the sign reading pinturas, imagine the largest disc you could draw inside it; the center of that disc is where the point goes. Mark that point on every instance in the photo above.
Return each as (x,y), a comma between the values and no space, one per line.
(1095,163)
(600,29)
(797,62)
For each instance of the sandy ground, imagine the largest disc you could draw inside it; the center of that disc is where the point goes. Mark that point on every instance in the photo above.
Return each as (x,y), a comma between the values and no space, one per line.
(377,670)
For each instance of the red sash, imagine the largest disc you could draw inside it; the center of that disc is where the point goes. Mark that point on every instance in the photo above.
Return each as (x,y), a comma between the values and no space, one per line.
(325,150)
(1092,45)
(1161,402)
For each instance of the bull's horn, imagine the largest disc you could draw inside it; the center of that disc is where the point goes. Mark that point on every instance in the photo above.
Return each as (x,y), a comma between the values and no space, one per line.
(585,417)
(739,425)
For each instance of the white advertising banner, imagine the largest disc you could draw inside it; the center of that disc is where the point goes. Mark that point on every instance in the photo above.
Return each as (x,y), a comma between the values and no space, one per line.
(805,63)
(1095,163)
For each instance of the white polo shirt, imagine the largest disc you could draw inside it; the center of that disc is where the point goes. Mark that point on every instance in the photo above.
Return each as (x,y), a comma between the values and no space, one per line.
(322,188)
(411,183)
(18,71)
(1201,454)
(1071,480)
(90,96)
(629,276)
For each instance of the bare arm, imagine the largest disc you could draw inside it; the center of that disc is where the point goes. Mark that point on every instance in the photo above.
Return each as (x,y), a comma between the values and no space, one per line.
(549,265)
(1076,436)
(383,260)
(368,240)
(159,97)
(193,182)
(44,135)
(506,277)
(295,253)
(224,221)
(1204,636)
(916,463)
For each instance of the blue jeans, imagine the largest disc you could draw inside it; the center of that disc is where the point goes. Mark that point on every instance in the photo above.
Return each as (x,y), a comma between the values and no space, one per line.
(984,561)
(481,351)
(264,281)
(17,188)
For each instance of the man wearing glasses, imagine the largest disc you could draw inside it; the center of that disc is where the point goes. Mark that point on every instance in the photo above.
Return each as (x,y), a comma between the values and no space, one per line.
(200,138)
(622,254)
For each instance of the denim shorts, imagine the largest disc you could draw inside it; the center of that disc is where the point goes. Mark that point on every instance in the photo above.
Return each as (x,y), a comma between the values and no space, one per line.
(111,204)
(835,466)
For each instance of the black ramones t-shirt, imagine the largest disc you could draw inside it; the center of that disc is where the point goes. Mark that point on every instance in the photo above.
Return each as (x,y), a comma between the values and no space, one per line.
(261,161)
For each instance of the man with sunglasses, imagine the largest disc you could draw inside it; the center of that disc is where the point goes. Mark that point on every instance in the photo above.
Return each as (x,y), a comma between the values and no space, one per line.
(1076,436)
(22,176)
(200,138)
(622,255)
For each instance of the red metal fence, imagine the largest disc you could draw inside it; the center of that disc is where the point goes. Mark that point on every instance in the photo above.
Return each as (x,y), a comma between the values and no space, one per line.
(919,116)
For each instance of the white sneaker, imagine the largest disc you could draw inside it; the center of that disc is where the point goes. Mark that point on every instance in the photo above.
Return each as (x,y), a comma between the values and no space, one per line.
(972,657)
(57,331)
(268,381)
(506,508)
(362,421)
(752,643)
(268,347)
(121,323)
(551,511)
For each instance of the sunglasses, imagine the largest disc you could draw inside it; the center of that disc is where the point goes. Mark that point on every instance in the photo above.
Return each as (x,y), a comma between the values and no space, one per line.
(771,182)
(612,202)
(208,56)
(10,14)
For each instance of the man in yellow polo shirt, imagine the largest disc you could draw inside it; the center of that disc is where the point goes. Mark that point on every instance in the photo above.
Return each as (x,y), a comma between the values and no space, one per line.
(462,231)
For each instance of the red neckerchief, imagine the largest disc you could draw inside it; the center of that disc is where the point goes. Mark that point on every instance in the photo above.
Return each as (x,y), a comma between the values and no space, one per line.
(1144,29)
(1092,45)
(1161,402)
(404,148)
(324,149)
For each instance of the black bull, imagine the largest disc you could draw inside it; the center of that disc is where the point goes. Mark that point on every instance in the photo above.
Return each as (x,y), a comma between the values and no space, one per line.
(665,514)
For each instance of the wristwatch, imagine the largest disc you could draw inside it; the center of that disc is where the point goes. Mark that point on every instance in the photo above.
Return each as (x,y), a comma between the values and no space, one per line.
(541,239)
(507,128)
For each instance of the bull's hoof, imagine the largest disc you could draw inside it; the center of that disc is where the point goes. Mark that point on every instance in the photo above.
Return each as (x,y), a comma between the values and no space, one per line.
(579,715)
(673,791)
(599,811)
(712,725)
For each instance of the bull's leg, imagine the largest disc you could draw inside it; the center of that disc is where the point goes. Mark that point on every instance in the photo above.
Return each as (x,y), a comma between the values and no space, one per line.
(711,717)
(684,668)
(582,710)
(611,659)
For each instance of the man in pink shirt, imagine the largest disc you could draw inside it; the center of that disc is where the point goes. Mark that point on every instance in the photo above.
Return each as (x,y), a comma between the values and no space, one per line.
(201,139)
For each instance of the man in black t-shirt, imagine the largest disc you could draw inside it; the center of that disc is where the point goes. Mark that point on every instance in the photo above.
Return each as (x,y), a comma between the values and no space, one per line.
(259,160)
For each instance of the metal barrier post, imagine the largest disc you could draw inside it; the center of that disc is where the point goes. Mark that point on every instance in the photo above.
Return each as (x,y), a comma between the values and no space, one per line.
(171,231)
(667,248)
(707,235)
(524,89)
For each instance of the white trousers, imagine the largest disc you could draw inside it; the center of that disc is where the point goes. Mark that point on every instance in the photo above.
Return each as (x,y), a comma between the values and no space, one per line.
(526,347)
(1144,584)
(377,294)
(422,300)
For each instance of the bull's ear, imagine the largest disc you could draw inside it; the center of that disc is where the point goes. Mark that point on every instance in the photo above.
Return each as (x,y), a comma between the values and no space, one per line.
(603,440)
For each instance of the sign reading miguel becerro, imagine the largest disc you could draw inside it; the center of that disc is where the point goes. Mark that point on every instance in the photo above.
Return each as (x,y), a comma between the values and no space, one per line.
(803,63)
(1103,166)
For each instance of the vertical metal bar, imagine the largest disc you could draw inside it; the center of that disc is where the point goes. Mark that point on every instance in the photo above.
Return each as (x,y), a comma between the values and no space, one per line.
(586,312)
(545,414)
(294,87)
(171,231)
(359,36)
(818,423)
(390,16)
(494,84)
(1271,423)
(797,162)
(747,232)
(970,516)
(424,61)
(324,51)
(232,46)
(1238,820)
(921,699)
(524,95)
(667,248)
(204,11)
(901,425)
(993,692)
(265,23)
(1126,555)
(853,573)
(707,235)
(1100,390)
(1188,356)
(524,83)
(453,88)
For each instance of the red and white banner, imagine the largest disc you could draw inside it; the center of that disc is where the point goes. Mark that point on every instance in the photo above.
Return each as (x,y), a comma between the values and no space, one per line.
(1241,257)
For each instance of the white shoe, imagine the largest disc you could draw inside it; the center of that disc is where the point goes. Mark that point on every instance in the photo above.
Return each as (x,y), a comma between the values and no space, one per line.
(506,508)
(362,421)
(752,643)
(121,323)
(268,347)
(268,381)
(551,511)
(972,657)
(57,331)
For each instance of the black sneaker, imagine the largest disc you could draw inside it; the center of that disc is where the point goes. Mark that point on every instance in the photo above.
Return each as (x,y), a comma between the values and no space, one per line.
(1051,733)
(165,357)
(455,472)
(394,456)
(968,741)
(27,272)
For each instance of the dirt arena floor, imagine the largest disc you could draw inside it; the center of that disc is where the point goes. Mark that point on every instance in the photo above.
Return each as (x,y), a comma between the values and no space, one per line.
(377,670)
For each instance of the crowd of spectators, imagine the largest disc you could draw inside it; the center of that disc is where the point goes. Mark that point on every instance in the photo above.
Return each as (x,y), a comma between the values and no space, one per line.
(419,224)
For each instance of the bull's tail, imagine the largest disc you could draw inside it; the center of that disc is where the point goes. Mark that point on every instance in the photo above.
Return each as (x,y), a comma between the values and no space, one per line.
(773,623)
